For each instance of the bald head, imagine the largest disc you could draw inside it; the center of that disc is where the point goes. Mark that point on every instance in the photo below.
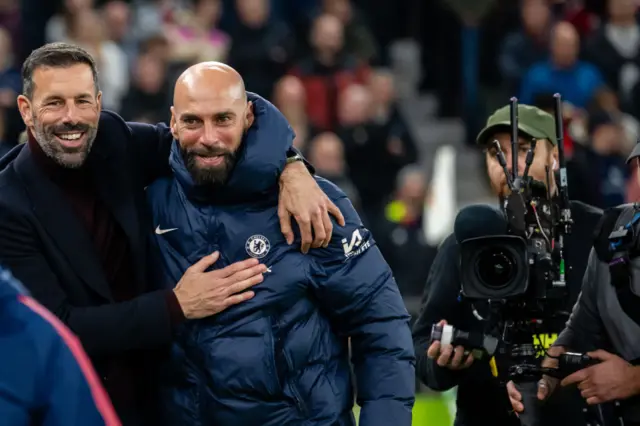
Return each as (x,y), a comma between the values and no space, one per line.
(565,44)
(565,32)
(209,117)
(327,34)
(209,80)
(289,90)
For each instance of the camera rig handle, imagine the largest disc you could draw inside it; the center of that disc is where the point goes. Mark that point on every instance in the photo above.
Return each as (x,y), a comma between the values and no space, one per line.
(568,363)
(565,211)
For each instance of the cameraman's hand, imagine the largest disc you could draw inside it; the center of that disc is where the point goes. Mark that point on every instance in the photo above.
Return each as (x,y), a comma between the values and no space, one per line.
(202,294)
(515,397)
(611,379)
(448,357)
(547,384)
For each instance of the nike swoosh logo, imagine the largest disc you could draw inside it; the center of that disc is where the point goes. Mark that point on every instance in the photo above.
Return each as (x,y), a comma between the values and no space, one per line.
(164,231)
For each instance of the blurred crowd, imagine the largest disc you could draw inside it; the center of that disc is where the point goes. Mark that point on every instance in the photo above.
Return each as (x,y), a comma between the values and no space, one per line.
(326,65)
(591,56)
(586,50)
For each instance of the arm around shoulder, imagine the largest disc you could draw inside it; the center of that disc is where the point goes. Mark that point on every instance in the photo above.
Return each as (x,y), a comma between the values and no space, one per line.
(151,145)
(355,285)
(143,322)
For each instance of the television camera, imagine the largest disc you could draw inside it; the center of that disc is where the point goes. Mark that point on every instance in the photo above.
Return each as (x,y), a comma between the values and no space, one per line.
(518,272)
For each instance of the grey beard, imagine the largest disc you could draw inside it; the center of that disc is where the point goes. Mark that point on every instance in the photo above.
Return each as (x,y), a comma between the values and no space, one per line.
(52,150)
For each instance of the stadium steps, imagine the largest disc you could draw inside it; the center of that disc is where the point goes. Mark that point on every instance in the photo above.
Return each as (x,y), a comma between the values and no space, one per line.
(431,132)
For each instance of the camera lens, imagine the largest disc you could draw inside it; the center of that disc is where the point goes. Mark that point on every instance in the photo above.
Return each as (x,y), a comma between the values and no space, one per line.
(495,267)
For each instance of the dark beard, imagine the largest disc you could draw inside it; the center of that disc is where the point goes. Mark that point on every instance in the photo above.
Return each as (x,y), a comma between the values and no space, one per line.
(214,176)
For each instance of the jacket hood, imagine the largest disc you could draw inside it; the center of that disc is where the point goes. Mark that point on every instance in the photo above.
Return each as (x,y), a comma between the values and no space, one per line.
(261,158)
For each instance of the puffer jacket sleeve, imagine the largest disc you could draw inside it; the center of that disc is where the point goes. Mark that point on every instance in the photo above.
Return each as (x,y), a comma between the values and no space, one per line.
(356,288)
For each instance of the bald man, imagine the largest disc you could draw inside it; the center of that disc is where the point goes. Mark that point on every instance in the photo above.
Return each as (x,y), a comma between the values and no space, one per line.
(280,358)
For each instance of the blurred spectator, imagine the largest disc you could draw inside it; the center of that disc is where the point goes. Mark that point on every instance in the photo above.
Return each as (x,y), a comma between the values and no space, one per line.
(547,103)
(580,16)
(118,20)
(10,87)
(10,79)
(614,49)
(374,152)
(157,46)
(150,16)
(327,71)
(580,83)
(528,46)
(10,21)
(326,153)
(148,99)
(597,171)
(400,232)
(196,38)
(290,98)
(262,48)
(358,40)
(385,112)
(87,30)
(59,26)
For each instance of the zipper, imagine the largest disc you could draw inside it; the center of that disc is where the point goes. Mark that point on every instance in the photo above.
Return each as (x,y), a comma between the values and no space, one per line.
(294,389)
(273,369)
(299,403)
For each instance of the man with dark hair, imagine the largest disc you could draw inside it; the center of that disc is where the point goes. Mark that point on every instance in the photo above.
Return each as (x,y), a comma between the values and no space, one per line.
(58,55)
(74,226)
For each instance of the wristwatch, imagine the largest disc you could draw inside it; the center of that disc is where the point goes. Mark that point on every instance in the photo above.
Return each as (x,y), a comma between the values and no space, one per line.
(294,155)
(294,158)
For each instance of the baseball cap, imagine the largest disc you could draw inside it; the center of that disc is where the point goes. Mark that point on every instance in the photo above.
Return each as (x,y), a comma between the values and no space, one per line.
(532,122)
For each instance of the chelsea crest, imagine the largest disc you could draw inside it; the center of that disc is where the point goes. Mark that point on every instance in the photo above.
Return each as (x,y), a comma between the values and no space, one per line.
(257,246)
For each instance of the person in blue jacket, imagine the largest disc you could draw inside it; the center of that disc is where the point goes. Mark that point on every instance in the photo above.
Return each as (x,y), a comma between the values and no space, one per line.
(282,357)
(46,379)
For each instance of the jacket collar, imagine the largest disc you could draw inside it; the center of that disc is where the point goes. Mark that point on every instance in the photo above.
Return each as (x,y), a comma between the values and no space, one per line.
(261,159)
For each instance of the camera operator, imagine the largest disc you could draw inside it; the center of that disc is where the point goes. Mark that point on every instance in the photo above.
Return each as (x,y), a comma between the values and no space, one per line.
(600,323)
(443,367)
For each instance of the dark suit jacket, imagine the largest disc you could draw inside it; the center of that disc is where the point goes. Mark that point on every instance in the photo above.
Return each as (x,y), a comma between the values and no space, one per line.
(46,246)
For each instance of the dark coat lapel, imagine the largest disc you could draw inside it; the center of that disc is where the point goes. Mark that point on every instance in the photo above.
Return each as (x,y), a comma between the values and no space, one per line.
(115,190)
(61,222)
